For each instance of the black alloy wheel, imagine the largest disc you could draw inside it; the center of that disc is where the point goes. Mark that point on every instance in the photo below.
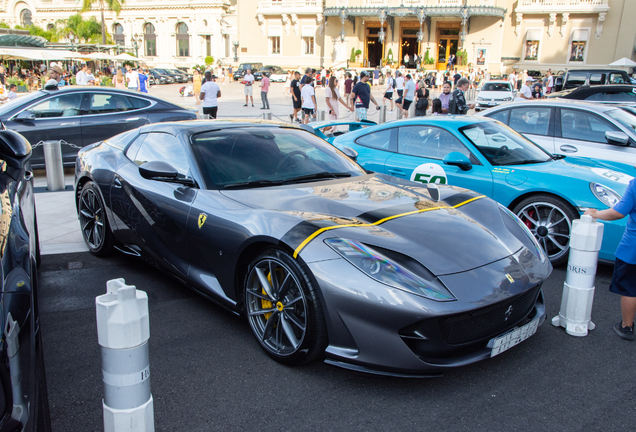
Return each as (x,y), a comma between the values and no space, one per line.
(93,221)
(283,309)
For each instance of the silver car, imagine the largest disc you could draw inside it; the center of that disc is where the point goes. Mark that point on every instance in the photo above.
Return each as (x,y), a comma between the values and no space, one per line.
(573,128)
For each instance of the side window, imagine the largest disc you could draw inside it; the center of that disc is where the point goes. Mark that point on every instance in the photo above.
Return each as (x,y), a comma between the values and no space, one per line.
(166,148)
(597,97)
(59,106)
(123,139)
(575,79)
(131,153)
(102,103)
(138,103)
(616,78)
(597,79)
(381,140)
(620,97)
(429,142)
(580,125)
(534,121)
(502,116)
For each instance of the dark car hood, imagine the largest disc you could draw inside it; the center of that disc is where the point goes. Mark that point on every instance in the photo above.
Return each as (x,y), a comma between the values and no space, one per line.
(460,231)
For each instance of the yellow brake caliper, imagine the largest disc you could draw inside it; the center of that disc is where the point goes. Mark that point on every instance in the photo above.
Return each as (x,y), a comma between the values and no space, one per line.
(266,304)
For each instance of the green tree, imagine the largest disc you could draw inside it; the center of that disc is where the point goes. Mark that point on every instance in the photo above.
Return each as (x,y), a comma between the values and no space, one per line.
(86,30)
(103,5)
(4,25)
(35,30)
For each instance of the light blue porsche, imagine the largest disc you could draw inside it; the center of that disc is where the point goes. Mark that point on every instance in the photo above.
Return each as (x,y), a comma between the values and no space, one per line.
(547,192)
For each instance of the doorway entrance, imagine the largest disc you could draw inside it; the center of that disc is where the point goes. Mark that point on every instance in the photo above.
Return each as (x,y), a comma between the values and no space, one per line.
(374,48)
(447,44)
(409,46)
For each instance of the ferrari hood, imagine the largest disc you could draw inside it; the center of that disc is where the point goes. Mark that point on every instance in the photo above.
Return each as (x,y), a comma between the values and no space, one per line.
(447,229)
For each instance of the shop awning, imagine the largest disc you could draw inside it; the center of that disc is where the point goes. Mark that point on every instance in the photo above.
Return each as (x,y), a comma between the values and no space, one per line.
(18,40)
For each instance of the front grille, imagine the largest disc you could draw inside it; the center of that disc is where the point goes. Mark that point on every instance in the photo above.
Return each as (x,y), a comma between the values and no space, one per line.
(487,322)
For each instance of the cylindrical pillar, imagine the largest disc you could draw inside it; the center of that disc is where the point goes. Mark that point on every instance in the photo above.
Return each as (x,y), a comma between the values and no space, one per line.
(267,116)
(400,114)
(578,290)
(382,114)
(123,331)
(322,115)
(53,165)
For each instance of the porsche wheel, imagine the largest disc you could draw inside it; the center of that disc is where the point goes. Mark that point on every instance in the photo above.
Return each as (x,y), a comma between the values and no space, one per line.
(283,309)
(93,221)
(550,220)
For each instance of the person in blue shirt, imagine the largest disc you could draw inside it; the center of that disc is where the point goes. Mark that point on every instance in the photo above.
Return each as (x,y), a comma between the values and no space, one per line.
(624,277)
(143,81)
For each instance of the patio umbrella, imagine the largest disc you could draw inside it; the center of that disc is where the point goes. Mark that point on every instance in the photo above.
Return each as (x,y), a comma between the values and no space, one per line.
(125,56)
(623,62)
(18,54)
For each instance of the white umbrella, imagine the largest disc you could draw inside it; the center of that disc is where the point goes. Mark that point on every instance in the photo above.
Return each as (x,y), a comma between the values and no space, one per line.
(18,54)
(100,56)
(125,56)
(623,62)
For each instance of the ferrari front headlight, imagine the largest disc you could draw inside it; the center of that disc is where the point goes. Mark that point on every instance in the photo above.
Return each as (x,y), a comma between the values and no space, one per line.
(605,195)
(387,271)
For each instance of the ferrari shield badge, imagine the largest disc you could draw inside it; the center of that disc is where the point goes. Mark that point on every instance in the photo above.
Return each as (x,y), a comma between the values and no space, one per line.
(507,275)
(202,218)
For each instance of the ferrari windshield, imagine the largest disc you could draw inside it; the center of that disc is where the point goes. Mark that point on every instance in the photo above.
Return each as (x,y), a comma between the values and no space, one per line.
(502,145)
(260,156)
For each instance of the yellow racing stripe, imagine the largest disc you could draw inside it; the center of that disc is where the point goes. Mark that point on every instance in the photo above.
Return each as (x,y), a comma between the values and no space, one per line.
(381,221)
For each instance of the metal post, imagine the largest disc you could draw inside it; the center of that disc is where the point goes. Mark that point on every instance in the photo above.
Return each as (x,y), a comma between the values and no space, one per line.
(122,332)
(382,114)
(53,165)
(578,289)
(322,115)
(267,116)
(400,114)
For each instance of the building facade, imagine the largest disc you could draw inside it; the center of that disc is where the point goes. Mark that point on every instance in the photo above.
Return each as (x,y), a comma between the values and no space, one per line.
(498,35)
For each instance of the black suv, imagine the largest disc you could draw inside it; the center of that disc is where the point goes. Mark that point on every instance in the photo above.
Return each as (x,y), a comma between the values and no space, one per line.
(177,77)
(240,72)
(579,77)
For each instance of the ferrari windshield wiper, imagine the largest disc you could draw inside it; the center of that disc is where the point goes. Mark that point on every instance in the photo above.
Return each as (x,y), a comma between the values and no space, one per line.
(255,183)
(316,176)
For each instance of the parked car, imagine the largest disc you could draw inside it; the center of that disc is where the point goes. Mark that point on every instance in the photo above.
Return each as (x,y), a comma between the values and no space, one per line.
(493,93)
(240,72)
(258,75)
(279,76)
(578,77)
(322,258)
(185,77)
(546,192)
(595,131)
(159,77)
(177,77)
(607,93)
(81,115)
(23,391)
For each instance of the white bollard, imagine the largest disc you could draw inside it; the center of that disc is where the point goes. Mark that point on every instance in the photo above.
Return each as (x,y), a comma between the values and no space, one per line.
(578,290)
(123,332)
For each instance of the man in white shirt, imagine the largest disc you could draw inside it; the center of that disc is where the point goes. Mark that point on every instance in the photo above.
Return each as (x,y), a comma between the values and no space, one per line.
(308,97)
(399,83)
(526,89)
(132,78)
(550,84)
(388,93)
(210,92)
(82,77)
(512,78)
(12,92)
(248,81)
(409,95)
(486,75)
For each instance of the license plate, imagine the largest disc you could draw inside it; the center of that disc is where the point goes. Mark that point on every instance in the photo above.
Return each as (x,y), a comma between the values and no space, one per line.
(492,103)
(515,337)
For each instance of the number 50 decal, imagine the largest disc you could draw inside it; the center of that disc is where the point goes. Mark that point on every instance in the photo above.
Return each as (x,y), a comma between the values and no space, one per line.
(429,173)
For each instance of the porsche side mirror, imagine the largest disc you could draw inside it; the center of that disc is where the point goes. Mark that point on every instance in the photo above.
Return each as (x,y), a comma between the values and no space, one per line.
(458,159)
(617,138)
(158,170)
(351,153)
(25,115)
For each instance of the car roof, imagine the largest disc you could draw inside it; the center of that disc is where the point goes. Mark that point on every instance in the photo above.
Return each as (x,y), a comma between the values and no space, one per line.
(596,70)
(99,89)
(197,126)
(441,120)
(603,88)
(497,81)
(590,106)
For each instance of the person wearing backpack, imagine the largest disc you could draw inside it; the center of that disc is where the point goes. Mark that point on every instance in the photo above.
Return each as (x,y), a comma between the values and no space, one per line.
(457,103)
(390,86)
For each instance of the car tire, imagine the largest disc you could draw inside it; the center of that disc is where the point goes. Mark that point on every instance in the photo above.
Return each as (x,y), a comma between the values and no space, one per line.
(285,316)
(94,222)
(549,218)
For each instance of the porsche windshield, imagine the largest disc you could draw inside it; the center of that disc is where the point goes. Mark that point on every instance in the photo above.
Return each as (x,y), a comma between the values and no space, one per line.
(261,156)
(503,146)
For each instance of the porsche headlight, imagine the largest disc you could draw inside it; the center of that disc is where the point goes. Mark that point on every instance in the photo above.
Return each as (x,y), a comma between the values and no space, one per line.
(536,248)
(605,195)
(507,99)
(386,271)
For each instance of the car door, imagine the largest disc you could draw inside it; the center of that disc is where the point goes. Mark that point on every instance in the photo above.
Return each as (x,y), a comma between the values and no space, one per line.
(535,123)
(57,118)
(373,148)
(151,215)
(109,114)
(582,133)
(421,150)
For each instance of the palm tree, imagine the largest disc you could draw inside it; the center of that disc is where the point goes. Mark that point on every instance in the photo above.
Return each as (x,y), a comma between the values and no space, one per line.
(108,5)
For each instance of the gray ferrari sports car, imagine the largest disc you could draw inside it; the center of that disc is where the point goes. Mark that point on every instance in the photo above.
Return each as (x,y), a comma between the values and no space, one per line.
(324,259)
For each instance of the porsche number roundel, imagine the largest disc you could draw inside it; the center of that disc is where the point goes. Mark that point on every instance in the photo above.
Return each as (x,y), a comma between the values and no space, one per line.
(429,173)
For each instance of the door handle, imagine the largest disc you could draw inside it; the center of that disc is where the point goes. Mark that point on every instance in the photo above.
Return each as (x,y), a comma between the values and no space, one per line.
(568,148)
(67,124)
(397,172)
(132,119)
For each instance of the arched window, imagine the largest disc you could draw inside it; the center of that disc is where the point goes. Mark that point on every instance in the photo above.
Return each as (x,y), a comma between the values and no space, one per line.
(150,40)
(50,27)
(25,17)
(183,40)
(118,31)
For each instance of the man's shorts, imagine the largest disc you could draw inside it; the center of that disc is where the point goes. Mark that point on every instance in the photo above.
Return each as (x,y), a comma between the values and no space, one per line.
(624,279)
(248,90)
(376,81)
(308,111)
(211,111)
(407,103)
(388,95)
(297,103)
(399,100)
(400,93)
(361,113)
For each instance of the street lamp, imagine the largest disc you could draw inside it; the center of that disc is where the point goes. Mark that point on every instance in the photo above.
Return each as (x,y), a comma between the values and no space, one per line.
(236,44)
(71,38)
(135,42)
